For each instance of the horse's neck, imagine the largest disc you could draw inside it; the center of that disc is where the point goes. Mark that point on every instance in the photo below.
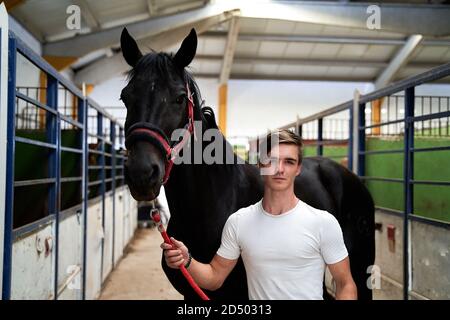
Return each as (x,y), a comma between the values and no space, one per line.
(199,187)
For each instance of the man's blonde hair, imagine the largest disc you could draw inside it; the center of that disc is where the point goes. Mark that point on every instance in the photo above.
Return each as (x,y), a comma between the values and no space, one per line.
(282,136)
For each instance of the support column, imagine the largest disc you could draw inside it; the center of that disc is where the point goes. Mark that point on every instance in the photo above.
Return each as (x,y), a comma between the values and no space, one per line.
(89,88)
(376,116)
(223,92)
(42,98)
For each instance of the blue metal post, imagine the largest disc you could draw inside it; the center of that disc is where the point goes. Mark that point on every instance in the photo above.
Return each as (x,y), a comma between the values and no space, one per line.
(10,147)
(53,136)
(361,140)
(320,137)
(102,175)
(122,160)
(408,176)
(113,182)
(350,140)
(82,118)
(120,136)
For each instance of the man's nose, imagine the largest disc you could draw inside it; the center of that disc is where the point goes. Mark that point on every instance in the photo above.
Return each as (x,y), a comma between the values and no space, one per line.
(280,167)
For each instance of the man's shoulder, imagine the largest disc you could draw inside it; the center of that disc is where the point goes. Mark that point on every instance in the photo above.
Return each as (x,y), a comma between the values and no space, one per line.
(317,213)
(246,211)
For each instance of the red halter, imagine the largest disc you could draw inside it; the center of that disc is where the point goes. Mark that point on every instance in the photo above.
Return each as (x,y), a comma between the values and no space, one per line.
(156,135)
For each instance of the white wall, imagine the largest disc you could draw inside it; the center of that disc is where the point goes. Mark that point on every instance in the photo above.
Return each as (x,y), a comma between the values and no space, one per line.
(433,90)
(107,94)
(254,106)
(24,35)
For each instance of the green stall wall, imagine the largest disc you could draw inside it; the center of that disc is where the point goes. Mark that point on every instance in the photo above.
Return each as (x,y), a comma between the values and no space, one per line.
(429,201)
(31,162)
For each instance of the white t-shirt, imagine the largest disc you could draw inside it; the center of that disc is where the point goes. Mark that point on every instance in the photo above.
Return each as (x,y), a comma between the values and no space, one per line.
(285,255)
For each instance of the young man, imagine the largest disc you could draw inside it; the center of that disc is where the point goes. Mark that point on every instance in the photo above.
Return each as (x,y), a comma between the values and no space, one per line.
(285,244)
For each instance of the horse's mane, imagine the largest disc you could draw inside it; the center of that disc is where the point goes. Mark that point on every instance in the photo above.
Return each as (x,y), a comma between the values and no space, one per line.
(206,113)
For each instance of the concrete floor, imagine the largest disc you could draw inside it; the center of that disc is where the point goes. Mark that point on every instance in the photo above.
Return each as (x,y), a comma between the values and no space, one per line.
(139,275)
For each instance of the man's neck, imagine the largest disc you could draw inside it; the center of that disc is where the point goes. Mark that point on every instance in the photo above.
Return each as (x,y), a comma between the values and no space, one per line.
(278,202)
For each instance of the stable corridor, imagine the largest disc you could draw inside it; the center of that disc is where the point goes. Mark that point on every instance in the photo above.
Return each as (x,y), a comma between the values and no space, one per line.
(139,275)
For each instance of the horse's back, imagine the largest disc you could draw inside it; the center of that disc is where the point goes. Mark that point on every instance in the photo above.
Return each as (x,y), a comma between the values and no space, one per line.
(329,186)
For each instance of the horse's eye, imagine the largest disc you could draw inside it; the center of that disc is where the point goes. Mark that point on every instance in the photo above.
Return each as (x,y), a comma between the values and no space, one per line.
(180,99)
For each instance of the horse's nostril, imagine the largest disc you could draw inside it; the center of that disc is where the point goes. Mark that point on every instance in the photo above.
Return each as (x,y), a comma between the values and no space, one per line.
(155,173)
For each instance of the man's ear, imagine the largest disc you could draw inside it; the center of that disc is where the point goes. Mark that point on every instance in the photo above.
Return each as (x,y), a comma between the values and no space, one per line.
(299,169)
(187,51)
(130,49)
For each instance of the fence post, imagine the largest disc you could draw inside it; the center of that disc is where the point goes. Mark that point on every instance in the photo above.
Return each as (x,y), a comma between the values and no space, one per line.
(52,133)
(320,137)
(82,117)
(350,140)
(355,131)
(112,135)
(3,126)
(408,176)
(10,150)
(100,139)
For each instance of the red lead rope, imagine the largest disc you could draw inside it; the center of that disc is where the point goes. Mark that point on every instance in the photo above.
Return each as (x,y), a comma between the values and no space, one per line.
(157,219)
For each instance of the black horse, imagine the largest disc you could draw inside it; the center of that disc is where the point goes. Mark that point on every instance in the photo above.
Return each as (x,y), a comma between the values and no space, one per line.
(202,196)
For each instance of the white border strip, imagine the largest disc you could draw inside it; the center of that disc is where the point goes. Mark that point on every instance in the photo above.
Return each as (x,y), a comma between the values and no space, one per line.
(3,125)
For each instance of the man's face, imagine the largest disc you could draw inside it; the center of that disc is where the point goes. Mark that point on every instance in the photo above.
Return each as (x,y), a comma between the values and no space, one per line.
(283,167)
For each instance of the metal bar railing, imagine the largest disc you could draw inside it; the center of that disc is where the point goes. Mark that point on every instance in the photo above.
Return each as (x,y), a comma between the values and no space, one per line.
(403,121)
(25,106)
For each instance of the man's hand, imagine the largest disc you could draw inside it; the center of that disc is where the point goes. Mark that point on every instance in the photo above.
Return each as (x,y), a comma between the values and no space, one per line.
(175,255)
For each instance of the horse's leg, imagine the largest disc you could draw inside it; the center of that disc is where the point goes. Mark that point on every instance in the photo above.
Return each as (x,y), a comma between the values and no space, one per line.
(361,236)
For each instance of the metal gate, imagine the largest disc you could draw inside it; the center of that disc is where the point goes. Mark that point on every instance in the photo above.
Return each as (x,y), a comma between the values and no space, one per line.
(64,181)
(409,117)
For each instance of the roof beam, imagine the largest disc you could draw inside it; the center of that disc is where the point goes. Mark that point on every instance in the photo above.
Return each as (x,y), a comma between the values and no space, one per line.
(87,14)
(180,6)
(314,62)
(151,7)
(287,78)
(230,48)
(445,80)
(400,59)
(324,39)
(108,67)
(307,38)
(84,43)
(403,18)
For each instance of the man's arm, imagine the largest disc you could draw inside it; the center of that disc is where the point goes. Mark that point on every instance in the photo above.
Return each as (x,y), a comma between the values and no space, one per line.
(209,276)
(345,286)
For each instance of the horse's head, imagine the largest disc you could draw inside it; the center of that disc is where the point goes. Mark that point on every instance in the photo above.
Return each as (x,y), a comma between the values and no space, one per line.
(156,98)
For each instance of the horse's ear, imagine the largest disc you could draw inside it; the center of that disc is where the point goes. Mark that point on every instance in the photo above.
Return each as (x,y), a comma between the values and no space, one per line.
(187,51)
(130,50)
